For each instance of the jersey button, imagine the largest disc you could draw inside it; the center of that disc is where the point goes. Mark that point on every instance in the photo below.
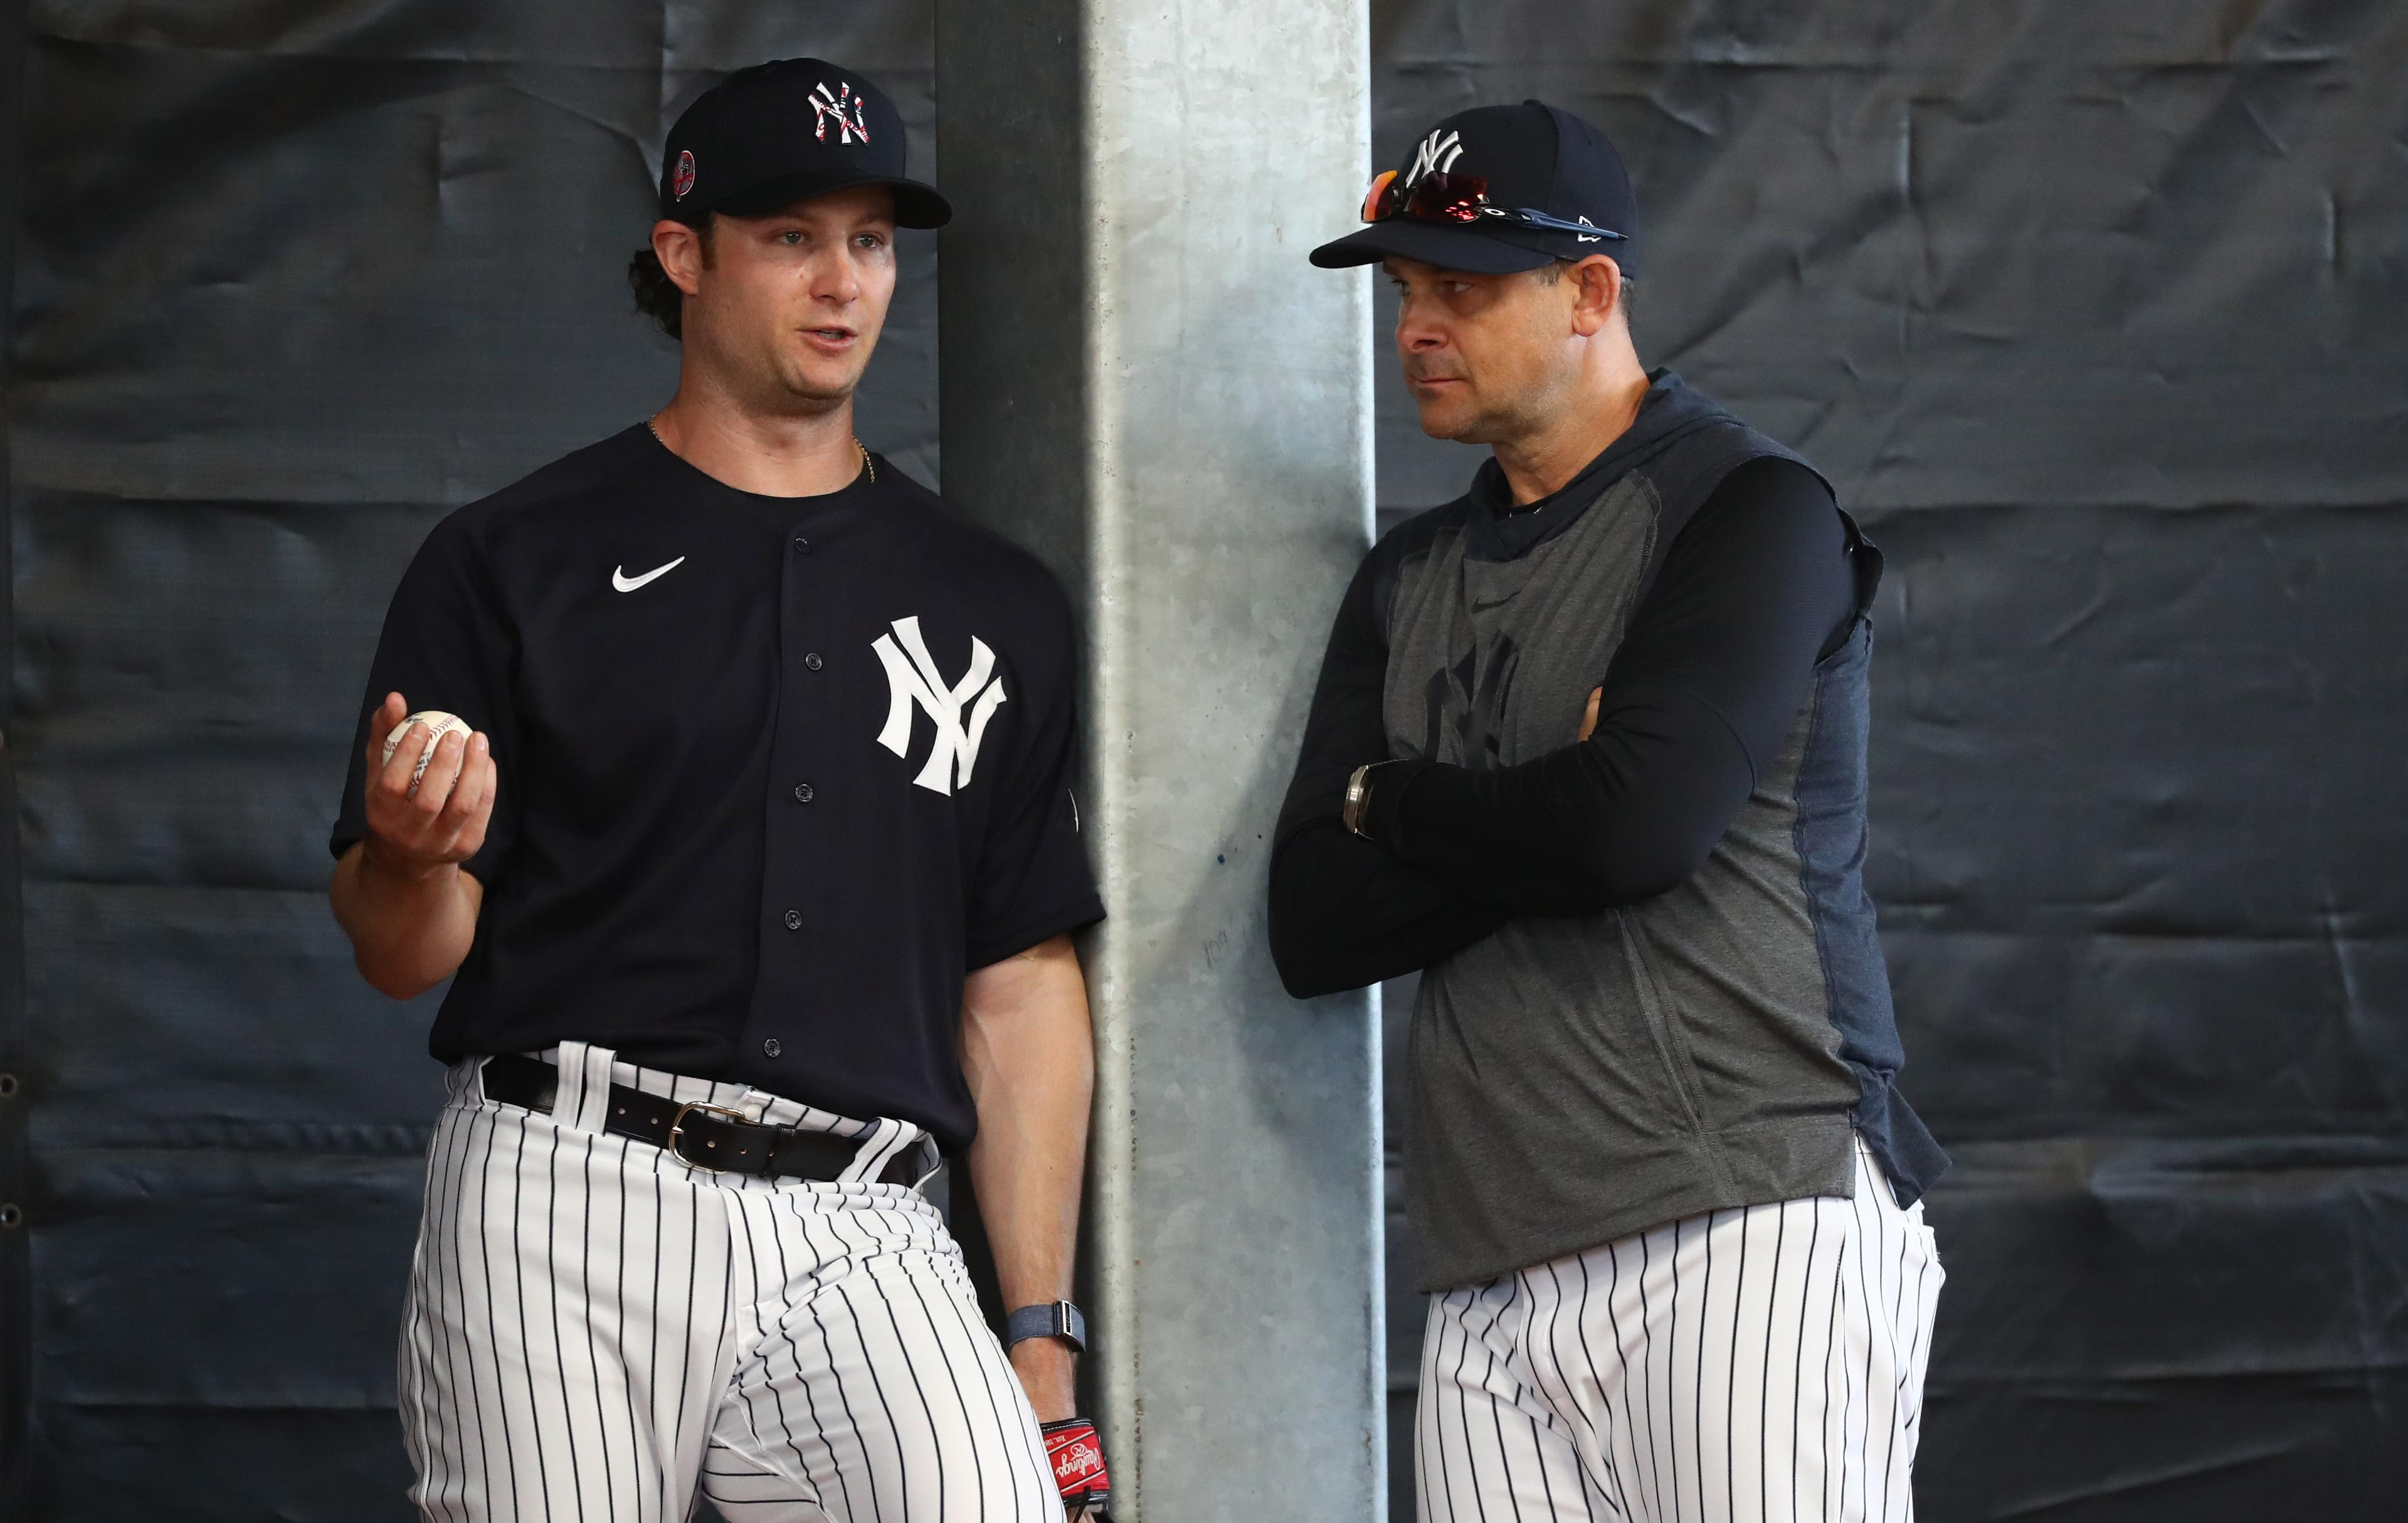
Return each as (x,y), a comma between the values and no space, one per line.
(811,660)
(803,794)
(802,544)
(794,920)
(771,1048)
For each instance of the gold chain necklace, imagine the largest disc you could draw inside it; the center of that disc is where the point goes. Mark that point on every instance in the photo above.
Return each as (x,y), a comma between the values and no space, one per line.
(868,464)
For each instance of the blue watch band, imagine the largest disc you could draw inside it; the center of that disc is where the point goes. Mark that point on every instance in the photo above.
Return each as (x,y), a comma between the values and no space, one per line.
(1053,1319)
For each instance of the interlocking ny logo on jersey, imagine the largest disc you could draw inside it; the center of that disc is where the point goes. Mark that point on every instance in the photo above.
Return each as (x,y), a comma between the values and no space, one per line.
(913,681)
(842,108)
(1468,700)
(1436,152)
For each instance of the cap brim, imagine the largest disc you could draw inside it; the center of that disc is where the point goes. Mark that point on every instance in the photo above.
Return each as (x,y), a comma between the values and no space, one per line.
(1428,243)
(915,204)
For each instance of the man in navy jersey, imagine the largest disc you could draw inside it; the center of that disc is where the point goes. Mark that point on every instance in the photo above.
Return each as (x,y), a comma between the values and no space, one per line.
(754,883)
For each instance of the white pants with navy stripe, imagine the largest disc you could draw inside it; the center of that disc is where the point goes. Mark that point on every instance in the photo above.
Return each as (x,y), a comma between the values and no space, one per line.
(1763,1363)
(595,1331)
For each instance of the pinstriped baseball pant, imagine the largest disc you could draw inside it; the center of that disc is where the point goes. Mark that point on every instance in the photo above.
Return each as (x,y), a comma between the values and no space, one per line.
(1763,1364)
(597,1331)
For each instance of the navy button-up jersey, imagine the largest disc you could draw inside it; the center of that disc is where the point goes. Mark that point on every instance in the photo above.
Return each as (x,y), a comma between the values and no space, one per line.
(775,773)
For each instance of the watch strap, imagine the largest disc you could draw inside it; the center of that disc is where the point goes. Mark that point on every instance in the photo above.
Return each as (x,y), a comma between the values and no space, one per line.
(1049,1319)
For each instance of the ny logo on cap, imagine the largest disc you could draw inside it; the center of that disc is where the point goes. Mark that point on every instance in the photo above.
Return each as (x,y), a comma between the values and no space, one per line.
(845,106)
(1436,152)
(959,709)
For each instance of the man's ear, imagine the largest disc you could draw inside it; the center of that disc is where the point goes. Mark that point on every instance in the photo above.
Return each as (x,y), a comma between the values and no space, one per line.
(679,248)
(1598,293)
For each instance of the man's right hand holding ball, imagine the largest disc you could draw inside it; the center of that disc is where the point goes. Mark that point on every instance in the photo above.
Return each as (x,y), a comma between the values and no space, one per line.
(430,796)
(399,894)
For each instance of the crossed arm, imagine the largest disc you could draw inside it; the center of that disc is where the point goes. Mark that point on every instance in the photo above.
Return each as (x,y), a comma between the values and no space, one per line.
(1700,692)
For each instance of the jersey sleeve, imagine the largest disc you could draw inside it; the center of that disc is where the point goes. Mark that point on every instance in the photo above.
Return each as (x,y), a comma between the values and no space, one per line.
(1032,881)
(446,644)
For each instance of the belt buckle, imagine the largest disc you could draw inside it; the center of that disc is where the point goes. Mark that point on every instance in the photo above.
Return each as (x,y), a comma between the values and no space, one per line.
(677,1124)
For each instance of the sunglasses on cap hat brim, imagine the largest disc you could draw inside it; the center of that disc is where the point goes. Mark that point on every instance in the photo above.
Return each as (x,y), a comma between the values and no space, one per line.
(1448,221)
(1461,201)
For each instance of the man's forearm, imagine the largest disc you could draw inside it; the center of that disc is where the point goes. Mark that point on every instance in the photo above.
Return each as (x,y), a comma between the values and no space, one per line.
(1345,912)
(1607,821)
(1705,688)
(1029,1051)
(410,930)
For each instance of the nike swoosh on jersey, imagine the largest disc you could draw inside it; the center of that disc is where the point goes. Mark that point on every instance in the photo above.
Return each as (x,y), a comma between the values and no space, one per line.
(620,580)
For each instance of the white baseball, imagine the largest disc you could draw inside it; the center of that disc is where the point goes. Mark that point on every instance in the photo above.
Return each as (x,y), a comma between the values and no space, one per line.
(435,720)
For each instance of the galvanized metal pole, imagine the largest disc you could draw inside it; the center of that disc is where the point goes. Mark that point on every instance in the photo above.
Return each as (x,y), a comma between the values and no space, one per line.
(1142,380)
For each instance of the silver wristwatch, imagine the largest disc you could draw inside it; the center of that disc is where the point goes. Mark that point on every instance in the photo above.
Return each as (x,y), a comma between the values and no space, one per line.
(1358,800)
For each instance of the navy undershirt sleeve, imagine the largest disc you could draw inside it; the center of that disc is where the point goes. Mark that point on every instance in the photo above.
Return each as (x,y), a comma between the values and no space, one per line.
(1696,702)
(1346,911)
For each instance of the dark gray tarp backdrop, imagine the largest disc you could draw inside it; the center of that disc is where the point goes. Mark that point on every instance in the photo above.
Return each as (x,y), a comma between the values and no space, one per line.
(2097,314)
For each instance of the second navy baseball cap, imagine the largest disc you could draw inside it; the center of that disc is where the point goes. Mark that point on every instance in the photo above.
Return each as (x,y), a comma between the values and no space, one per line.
(1531,158)
(781,132)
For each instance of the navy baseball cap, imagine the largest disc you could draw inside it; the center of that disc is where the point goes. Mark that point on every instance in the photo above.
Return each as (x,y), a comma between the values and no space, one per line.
(778,133)
(1545,177)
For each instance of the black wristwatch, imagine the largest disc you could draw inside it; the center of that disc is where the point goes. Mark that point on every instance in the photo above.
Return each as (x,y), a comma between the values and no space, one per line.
(1053,1319)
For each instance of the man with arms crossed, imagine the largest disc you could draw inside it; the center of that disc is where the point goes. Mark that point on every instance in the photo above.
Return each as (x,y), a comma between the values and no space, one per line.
(754,883)
(1588,749)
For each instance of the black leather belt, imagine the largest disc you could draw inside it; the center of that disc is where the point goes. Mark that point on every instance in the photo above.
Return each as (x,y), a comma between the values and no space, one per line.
(708,1137)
